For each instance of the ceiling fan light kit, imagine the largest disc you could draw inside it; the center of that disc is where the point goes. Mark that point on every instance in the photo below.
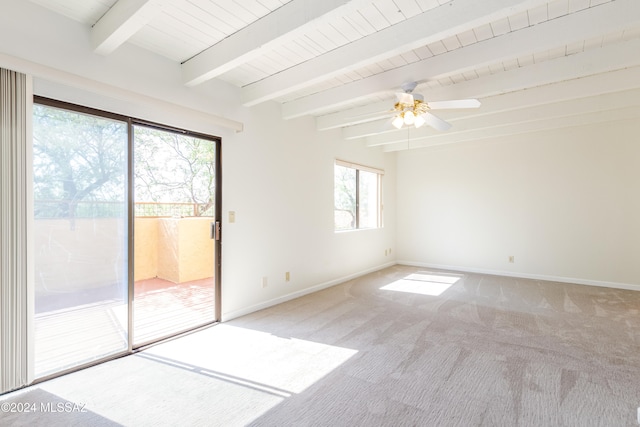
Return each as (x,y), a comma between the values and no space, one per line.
(408,118)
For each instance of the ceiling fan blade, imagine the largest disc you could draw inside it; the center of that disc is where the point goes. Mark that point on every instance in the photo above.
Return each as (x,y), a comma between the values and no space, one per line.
(404,98)
(435,122)
(458,103)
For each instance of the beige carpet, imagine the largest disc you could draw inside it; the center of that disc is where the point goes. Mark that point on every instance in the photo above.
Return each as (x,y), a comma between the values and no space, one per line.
(400,347)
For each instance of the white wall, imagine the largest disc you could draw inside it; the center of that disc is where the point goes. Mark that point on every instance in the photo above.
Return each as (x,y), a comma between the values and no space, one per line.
(277,175)
(278,179)
(565,203)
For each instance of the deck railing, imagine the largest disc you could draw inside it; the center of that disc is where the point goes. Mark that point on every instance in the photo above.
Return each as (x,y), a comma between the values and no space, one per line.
(68,209)
(153,209)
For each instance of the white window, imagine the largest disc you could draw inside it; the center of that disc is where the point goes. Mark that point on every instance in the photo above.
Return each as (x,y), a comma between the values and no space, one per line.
(357,196)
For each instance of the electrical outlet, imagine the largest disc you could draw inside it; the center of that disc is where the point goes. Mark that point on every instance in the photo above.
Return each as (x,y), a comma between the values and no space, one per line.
(389,251)
(287,276)
(264,282)
(512,259)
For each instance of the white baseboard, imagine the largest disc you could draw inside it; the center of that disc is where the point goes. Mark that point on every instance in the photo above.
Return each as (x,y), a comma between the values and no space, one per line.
(617,285)
(244,311)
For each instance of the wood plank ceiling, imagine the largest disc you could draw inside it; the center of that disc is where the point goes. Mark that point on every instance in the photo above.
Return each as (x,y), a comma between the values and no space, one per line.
(534,64)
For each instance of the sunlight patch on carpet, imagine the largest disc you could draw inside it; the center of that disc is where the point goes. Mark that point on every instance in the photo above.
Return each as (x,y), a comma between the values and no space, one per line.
(242,373)
(287,364)
(424,283)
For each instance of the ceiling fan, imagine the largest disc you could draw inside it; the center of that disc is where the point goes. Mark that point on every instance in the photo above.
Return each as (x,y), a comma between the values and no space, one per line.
(412,110)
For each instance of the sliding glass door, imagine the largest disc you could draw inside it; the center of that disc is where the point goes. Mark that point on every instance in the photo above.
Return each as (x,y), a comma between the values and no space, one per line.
(126,248)
(80,238)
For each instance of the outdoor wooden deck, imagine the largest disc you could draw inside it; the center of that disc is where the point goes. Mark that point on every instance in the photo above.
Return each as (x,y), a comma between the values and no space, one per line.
(71,337)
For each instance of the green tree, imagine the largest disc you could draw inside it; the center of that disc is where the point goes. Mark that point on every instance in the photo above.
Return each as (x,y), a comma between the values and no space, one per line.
(344,198)
(174,168)
(82,158)
(77,157)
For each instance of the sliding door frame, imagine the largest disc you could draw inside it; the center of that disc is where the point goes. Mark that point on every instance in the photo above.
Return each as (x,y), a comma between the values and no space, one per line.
(130,121)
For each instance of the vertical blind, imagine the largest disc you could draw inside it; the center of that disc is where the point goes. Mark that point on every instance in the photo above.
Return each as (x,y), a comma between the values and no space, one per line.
(16,100)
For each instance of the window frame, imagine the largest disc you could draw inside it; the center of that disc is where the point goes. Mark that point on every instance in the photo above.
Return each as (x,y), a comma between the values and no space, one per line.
(379,206)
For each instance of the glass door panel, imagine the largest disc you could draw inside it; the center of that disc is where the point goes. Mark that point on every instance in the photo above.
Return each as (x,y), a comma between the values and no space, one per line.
(80,238)
(175,209)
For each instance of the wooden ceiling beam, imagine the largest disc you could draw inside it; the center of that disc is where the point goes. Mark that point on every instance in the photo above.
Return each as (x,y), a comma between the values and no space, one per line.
(431,26)
(611,17)
(121,22)
(280,26)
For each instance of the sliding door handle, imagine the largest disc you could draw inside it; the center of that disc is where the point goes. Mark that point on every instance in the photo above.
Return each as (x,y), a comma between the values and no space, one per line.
(215,230)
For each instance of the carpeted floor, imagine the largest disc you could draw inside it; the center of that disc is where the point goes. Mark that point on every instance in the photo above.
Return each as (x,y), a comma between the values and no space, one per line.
(400,347)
